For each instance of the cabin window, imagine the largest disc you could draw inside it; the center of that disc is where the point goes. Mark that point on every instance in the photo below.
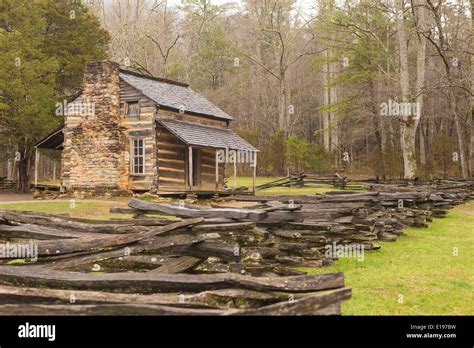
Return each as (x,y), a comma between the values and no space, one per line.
(133,109)
(138,156)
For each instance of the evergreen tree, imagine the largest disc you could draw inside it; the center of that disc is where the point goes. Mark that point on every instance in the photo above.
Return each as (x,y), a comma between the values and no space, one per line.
(43,47)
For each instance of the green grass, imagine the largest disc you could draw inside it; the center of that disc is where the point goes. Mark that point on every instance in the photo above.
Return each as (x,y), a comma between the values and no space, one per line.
(17,262)
(88,210)
(420,267)
(92,210)
(247,181)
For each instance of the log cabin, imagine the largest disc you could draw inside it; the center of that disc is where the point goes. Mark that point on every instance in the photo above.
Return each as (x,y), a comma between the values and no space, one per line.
(134,132)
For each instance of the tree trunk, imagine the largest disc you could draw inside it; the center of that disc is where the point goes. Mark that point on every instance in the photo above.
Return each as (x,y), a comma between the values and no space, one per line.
(407,123)
(407,141)
(463,149)
(471,119)
(326,102)
(23,183)
(282,105)
(420,76)
(377,130)
(422,148)
(429,145)
(334,119)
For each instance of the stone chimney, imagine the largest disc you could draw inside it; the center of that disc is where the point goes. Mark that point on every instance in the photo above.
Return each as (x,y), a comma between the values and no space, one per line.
(101,87)
(94,145)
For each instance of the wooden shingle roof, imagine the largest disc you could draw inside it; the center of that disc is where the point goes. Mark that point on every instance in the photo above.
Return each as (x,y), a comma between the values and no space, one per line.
(173,95)
(205,136)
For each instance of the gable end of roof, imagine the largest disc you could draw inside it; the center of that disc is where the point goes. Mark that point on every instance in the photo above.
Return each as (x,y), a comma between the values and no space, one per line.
(174,96)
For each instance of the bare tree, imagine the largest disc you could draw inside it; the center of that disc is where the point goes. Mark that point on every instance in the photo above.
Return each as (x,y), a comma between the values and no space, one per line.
(441,46)
(279,50)
(471,119)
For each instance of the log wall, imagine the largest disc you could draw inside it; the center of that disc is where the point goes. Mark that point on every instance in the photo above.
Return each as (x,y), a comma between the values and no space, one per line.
(192,118)
(140,127)
(208,170)
(172,164)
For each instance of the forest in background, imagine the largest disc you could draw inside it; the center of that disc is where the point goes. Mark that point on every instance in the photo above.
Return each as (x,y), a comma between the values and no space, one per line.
(307,85)
(372,88)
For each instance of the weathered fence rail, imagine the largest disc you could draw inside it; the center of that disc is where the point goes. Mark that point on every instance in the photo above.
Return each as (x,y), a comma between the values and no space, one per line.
(6,184)
(150,267)
(185,259)
(302,179)
(312,180)
(296,230)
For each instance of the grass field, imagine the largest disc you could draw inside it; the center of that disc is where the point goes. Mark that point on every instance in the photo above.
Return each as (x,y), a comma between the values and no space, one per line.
(416,275)
(248,182)
(90,210)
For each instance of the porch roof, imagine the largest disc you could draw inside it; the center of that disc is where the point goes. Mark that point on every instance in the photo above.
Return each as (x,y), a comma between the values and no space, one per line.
(53,141)
(205,136)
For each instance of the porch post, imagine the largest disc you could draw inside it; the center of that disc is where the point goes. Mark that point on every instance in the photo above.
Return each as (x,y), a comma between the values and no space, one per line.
(190,168)
(217,169)
(9,170)
(255,174)
(37,157)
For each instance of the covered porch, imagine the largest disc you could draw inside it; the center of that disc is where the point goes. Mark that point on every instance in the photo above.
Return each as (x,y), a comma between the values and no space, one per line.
(197,158)
(44,149)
